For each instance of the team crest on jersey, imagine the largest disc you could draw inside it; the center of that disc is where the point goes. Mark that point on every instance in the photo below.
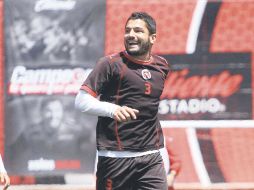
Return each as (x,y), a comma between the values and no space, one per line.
(146,74)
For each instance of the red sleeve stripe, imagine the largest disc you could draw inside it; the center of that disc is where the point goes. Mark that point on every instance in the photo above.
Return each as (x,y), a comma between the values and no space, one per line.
(89,90)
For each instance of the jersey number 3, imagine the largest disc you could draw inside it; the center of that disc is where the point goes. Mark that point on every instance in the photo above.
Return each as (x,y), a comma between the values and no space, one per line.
(148,87)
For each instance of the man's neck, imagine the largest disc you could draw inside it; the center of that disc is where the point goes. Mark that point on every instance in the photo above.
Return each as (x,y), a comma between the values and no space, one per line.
(145,58)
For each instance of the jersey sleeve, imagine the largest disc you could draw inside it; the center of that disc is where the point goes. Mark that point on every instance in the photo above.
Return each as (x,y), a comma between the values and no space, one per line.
(98,78)
(167,67)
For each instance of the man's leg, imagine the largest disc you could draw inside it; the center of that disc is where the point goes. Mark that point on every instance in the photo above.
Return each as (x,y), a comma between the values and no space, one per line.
(150,173)
(114,173)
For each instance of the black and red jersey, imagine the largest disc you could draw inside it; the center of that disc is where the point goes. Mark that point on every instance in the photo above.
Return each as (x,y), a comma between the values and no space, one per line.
(121,80)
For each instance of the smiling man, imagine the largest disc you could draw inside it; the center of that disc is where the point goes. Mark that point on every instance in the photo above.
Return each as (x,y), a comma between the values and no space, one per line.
(129,134)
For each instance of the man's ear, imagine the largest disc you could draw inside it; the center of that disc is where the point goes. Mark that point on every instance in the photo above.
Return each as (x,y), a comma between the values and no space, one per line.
(152,38)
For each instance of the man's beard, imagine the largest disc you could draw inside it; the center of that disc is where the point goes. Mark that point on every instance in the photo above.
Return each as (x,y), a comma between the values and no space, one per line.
(144,48)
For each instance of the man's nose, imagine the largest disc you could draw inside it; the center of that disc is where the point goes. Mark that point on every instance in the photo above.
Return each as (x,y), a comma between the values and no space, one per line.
(132,33)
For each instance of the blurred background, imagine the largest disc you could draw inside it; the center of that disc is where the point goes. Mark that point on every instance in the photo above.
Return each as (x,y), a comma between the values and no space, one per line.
(48,47)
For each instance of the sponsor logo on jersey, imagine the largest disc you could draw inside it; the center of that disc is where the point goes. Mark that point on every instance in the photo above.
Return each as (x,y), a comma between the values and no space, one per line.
(146,74)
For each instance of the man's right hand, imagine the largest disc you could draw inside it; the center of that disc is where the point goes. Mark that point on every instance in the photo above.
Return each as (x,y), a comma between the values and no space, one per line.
(125,113)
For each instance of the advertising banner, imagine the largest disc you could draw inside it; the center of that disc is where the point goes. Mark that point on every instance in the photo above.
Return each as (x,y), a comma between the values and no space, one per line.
(210,90)
(50,47)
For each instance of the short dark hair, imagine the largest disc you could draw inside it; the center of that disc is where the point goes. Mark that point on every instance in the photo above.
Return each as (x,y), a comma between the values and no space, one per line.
(150,22)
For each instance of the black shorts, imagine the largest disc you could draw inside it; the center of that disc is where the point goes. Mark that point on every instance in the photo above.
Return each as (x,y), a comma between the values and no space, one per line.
(137,173)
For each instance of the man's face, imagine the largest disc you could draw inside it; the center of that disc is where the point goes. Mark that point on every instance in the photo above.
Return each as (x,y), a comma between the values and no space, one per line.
(137,39)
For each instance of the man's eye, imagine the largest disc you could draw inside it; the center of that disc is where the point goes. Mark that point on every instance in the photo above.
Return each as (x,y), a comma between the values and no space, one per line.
(139,31)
